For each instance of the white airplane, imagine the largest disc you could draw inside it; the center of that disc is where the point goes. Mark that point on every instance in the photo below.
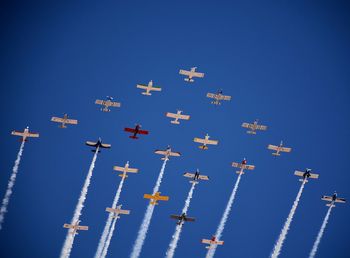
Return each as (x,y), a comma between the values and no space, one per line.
(196,176)
(167,153)
(64,121)
(242,166)
(191,74)
(177,116)
(212,242)
(333,199)
(307,174)
(75,227)
(118,211)
(125,169)
(217,97)
(107,103)
(254,126)
(148,88)
(25,134)
(278,149)
(205,141)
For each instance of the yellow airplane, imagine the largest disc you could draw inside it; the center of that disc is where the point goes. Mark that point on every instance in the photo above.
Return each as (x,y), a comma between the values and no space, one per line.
(155,198)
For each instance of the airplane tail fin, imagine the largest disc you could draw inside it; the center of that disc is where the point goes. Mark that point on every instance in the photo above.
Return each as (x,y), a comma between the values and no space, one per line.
(175,122)
(203,147)
(133,137)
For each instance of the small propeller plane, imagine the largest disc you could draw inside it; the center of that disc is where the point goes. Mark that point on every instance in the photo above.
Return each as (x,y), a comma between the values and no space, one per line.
(307,174)
(243,165)
(125,169)
(75,227)
(98,145)
(118,210)
(182,218)
(155,198)
(107,103)
(135,131)
(218,97)
(254,126)
(148,88)
(278,149)
(332,199)
(25,134)
(205,141)
(177,116)
(64,121)
(212,242)
(195,177)
(167,153)
(191,74)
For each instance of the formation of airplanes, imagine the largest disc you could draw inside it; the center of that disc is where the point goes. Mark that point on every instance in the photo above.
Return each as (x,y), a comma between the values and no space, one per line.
(195,177)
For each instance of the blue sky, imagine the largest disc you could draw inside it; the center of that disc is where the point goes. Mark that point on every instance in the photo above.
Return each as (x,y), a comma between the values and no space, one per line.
(284,63)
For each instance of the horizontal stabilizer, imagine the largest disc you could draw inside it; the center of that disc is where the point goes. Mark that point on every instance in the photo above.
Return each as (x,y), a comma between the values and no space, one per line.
(123,175)
(276,154)
(146,93)
(203,147)
(240,172)
(194,182)
(133,137)
(329,205)
(251,132)
(175,122)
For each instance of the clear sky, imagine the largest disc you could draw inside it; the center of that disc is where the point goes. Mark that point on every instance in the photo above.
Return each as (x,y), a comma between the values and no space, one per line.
(285,63)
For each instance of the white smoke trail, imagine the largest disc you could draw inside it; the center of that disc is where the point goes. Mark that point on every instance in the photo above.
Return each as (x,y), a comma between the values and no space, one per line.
(141,235)
(108,240)
(320,233)
(68,243)
(107,228)
(10,185)
(176,236)
(278,246)
(224,217)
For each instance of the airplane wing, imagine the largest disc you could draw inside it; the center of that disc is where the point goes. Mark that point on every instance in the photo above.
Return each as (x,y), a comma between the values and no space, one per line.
(261,127)
(196,74)
(207,241)
(99,102)
(249,167)
(132,170)
(211,95)
(93,144)
(68,226)
(148,196)
(189,175)
(71,121)
(327,198)
(115,104)
(162,198)
(142,132)
(130,130)
(160,152)
(17,133)
(284,149)
(118,211)
(175,217)
(190,219)
(155,88)
(236,165)
(226,97)
(32,135)
(314,176)
(199,140)
(212,142)
(298,173)
(203,177)
(105,145)
(247,125)
(141,86)
(184,117)
(340,200)
(57,119)
(272,147)
(82,227)
(171,115)
(184,72)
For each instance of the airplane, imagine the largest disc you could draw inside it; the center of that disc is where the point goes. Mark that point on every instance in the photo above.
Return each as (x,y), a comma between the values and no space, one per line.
(217,97)
(75,227)
(98,145)
(177,116)
(182,218)
(167,153)
(243,165)
(333,199)
(205,141)
(107,103)
(212,242)
(125,169)
(307,174)
(191,74)
(148,88)
(64,121)
(118,211)
(135,131)
(254,126)
(196,176)
(25,134)
(155,198)
(278,149)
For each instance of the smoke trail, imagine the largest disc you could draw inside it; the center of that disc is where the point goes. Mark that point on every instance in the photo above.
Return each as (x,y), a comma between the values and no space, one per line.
(109,237)
(10,185)
(320,233)
(278,246)
(68,243)
(224,217)
(107,227)
(141,235)
(176,236)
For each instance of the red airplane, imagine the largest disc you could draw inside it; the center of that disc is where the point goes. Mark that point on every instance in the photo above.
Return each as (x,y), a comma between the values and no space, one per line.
(135,131)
